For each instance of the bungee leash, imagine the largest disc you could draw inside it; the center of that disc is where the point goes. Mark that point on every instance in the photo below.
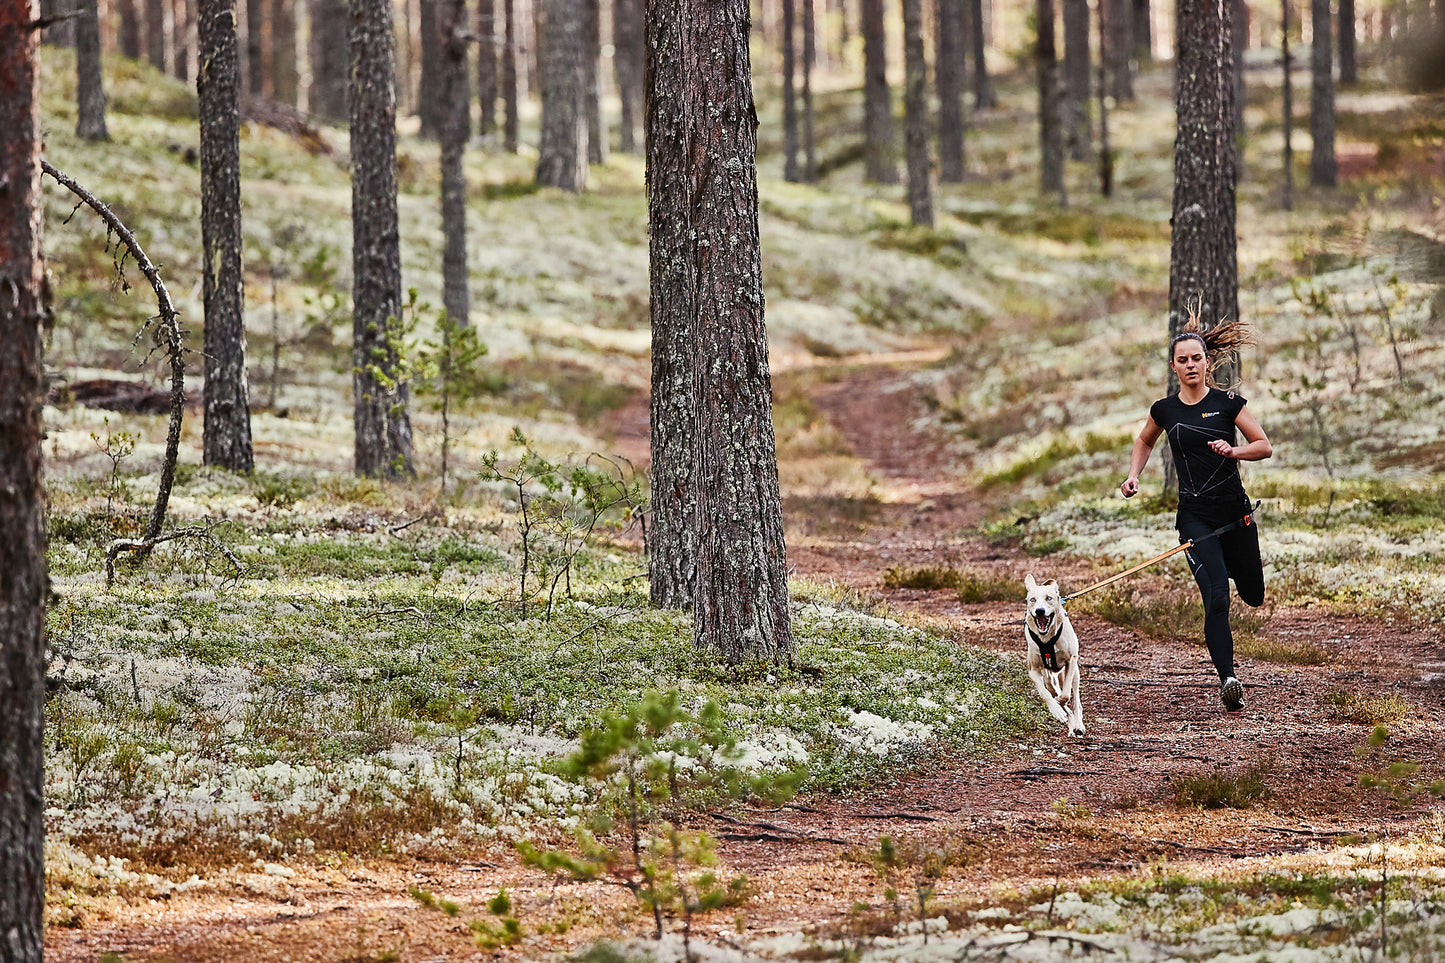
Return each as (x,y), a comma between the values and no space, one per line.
(1244,522)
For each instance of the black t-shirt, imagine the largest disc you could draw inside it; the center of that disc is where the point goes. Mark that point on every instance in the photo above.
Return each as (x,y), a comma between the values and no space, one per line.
(1204,476)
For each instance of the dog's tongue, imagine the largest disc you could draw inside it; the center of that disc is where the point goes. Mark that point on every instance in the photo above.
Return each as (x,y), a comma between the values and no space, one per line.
(1044,620)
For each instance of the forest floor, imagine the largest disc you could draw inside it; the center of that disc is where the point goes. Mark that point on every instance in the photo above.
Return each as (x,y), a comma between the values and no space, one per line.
(1042,816)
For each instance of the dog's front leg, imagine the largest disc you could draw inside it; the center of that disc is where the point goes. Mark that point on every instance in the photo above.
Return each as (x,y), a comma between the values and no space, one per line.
(1076,714)
(1050,701)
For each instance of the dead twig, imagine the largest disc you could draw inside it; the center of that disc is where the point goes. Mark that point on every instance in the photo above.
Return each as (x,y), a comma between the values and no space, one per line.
(915,817)
(200,532)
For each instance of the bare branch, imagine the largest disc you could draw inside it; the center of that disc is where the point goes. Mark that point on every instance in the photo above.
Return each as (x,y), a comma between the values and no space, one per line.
(169,331)
(199,532)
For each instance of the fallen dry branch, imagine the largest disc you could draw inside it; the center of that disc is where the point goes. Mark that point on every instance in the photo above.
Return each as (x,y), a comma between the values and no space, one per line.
(199,532)
(167,336)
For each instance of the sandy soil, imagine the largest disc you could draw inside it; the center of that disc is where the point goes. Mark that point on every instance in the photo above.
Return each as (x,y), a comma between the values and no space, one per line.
(1049,812)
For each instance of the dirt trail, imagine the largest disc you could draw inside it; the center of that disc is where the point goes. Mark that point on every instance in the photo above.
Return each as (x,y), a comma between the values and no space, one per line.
(1050,810)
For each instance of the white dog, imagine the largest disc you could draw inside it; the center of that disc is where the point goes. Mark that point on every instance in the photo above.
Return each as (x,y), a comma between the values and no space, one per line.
(1053,653)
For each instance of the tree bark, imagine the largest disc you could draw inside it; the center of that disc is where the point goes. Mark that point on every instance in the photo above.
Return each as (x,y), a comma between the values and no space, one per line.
(1121,49)
(24,583)
(1051,133)
(327,95)
(226,441)
(510,121)
(810,57)
(790,108)
(562,154)
(486,66)
(1323,170)
(89,78)
(948,79)
(1203,266)
(1101,89)
(984,97)
(628,59)
(428,94)
(915,106)
(255,47)
(155,14)
(591,81)
(383,427)
(183,20)
(62,32)
(456,123)
(1287,105)
(1349,69)
(285,73)
(1078,85)
(878,151)
(701,137)
(129,14)
(1141,17)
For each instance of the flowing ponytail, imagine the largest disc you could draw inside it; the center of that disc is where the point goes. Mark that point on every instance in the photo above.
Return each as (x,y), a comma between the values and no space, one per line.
(1220,341)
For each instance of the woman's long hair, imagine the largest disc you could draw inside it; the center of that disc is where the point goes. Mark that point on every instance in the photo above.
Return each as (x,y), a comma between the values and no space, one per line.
(1220,342)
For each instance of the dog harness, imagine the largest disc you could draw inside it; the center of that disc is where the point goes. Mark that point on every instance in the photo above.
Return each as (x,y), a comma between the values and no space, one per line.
(1046,649)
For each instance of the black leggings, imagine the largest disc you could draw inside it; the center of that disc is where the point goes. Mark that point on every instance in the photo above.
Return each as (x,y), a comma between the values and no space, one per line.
(1214,561)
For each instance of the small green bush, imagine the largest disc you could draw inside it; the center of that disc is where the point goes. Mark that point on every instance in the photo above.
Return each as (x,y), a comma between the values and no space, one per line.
(1220,789)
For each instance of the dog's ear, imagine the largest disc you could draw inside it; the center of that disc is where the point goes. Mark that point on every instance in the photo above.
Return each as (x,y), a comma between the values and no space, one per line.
(1029,582)
(1052,581)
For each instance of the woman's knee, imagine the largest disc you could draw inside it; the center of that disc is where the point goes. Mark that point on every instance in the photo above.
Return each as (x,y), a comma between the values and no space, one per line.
(1251,595)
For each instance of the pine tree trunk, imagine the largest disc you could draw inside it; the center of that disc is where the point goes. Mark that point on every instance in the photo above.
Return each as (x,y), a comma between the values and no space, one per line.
(1140,17)
(1203,268)
(129,14)
(810,56)
(428,99)
(591,81)
(878,150)
(510,122)
(562,154)
(226,434)
(155,14)
(1287,105)
(628,61)
(671,540)
(915,107)
(183,20)
(486,66)
(1101,89)
(62,32)
(383,427)
(24,584)
(700,106)
(1078,85)
(1121,49)
(1239,40)
(984,97)
(255,40)
(327,96)
(1349,69)
(1051,134)
(1323,171)
(948,79)
(285,73)
(89,78)
(456,123)
(790,110)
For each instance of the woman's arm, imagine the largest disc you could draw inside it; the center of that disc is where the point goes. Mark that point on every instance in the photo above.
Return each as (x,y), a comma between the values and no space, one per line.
(1256,446)
(1139,457)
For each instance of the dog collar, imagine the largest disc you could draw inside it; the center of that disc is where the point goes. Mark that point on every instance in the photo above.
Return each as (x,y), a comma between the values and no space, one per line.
(1046,649)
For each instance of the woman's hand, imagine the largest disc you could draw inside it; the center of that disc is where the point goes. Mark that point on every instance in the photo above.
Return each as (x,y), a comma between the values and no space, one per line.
(1222,447)
(1129,486)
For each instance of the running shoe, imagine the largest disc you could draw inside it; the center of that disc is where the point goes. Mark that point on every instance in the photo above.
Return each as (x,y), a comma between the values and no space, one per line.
(1232,694)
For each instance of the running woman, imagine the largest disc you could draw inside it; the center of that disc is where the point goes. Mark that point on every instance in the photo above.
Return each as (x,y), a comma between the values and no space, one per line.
(1200,421)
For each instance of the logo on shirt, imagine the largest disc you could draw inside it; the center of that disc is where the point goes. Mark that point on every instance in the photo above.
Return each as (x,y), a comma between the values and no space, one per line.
(1211,414)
